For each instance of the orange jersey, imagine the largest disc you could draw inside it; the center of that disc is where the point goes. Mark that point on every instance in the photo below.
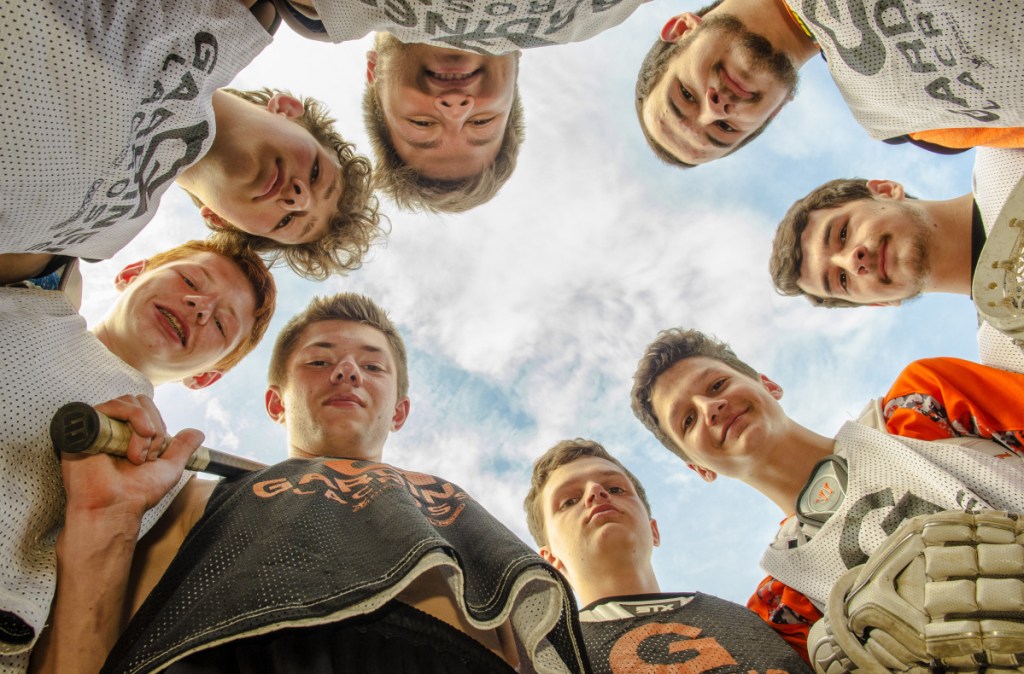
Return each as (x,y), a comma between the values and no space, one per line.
(932,399)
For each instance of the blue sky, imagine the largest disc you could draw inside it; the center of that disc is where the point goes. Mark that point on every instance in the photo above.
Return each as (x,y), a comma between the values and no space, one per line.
(525,317)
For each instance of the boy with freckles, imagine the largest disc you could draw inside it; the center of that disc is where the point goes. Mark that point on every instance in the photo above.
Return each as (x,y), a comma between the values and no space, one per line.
(187,314)
(947,436)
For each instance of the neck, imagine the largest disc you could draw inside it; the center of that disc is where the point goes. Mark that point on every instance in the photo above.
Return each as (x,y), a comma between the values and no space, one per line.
(791,463)
(614,578)
(772,19)
(109,335)
(949,251)
(296,452)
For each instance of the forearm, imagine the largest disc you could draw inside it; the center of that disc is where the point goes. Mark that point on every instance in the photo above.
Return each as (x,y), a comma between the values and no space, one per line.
(16,267)
(94,553)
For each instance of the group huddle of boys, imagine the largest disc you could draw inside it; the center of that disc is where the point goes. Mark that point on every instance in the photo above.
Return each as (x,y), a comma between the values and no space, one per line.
(335,561)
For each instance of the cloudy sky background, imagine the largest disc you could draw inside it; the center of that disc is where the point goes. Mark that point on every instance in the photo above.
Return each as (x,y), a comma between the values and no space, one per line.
(525,318)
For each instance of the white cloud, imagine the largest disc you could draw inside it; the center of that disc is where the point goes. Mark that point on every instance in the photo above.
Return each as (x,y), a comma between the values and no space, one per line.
(526,317)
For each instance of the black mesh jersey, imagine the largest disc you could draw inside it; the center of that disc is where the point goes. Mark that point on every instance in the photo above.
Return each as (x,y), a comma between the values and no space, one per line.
(682,634)
(307,543)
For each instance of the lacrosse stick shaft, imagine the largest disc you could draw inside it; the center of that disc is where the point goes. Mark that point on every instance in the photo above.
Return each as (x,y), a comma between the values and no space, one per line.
(78,428)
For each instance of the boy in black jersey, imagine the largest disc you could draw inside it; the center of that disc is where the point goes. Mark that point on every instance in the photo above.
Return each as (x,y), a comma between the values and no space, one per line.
(591,517)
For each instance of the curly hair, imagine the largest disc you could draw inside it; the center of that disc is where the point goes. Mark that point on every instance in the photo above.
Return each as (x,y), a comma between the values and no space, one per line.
(341,307)
(787,254)
(354,226)
(652,68)
(414,192)
(561,454)
(670,347)
(260,278)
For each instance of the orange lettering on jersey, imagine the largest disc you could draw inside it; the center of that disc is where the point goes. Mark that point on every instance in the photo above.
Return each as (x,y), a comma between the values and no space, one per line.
(824,494)
(271,487)
(624,657)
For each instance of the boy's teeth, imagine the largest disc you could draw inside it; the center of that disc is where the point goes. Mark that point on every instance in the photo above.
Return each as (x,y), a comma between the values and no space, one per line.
(451,76)
(174,324)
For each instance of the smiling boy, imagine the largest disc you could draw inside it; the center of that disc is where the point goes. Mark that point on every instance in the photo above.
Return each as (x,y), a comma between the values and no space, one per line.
(945,437)
(112,104)
(938,75)
(853,242)
(188,314)
(591,518)
(430,580)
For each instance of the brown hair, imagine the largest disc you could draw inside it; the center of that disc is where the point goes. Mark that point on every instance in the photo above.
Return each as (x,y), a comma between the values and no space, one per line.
(652,68)
(260,279)
(787,254)
(356,223)
(670,347)
(414,192)
(341,307)
(561,454)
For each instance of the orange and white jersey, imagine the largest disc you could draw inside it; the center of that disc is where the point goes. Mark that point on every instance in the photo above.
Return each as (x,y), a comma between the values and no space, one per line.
(946,435)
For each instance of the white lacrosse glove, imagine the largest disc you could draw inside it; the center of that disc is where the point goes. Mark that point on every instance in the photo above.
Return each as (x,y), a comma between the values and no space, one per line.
(944,592)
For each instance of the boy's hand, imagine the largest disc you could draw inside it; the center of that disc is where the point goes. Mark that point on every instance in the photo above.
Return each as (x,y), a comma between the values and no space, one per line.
(100,483)
(149,433)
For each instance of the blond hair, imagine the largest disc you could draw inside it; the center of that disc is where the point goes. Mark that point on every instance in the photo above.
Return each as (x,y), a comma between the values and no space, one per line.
(412,191)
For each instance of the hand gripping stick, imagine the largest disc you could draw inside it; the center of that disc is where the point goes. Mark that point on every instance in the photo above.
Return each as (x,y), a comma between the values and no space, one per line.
(77,428)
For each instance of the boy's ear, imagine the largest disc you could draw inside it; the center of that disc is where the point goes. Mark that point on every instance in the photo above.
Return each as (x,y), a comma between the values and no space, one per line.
(550,558)
(887,188)
(401,414)
(274,404)
(890,303)
(654,532)
(678,26)
(129,274)
(284,104)
(706,474)
(371,66)
(212,218)
(771,386)
(202,380)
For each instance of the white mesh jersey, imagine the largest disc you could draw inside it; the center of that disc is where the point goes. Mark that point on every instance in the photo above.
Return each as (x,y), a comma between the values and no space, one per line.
(105,103)
(48,358)
(996,173)
(892,479)
(483,26)
(907,66)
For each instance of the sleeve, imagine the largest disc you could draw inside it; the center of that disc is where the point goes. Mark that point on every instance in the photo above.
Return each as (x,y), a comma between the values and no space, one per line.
(788,612)
(1004,137)
(939,398)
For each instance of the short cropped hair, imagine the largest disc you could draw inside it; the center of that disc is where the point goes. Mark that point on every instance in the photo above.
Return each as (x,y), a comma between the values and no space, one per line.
(787,253)
(259,277)
(341,307)
(561,454)
(414,192)
(355,225)
(651,70)
(670,347)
